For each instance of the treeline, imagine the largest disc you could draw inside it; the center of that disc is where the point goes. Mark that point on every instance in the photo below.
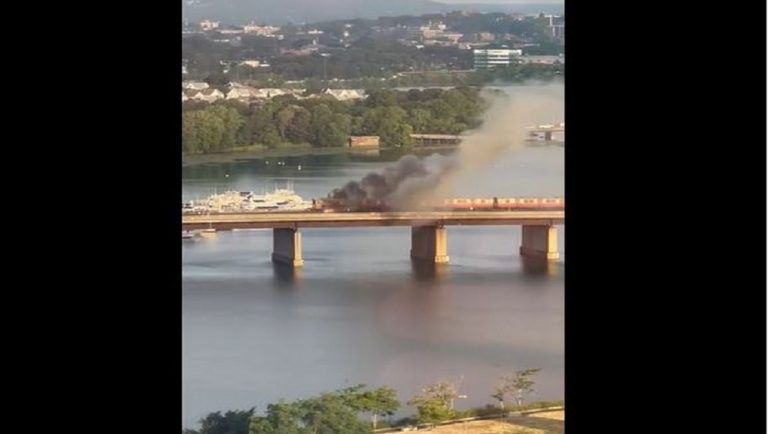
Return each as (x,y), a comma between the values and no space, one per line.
(365,57)
(516,73)
(326,122)
(341,411)
(370,57)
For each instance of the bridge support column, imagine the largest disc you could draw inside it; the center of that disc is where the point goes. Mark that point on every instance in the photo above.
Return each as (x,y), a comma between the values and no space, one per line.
(548,136)
(286,247)
(429,244)
(539,242)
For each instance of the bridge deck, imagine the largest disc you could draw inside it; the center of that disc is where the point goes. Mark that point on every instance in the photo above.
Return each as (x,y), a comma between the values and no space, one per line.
(353,219)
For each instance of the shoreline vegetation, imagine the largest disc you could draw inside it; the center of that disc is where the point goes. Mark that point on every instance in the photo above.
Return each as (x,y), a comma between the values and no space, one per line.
(360,409)
(538,417)
(258,152)
(325,122)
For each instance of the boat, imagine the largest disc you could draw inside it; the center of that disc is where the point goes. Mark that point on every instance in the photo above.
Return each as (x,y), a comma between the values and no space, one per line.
(247,201)
(187,235)
(207,233)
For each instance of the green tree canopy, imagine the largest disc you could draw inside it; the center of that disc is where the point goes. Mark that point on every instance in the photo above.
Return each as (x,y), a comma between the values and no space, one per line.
(435,402)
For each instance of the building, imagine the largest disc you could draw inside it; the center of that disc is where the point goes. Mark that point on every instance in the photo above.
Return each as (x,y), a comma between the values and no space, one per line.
(558,31)
(242,93)
(194,85)
(260,30)
(435,139)
(485,37)
(556,26)
(209,25)
(485,59)
(345,94)
(363,142)
(208,95)
(452,37)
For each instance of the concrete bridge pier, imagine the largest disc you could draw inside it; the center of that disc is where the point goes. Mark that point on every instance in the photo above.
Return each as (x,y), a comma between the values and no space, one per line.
(429,244)
(539,242)
(286,247)
(548,136)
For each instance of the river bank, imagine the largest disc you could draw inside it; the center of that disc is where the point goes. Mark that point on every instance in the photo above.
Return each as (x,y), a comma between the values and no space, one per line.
(257,153)
(301,151)
(543,423)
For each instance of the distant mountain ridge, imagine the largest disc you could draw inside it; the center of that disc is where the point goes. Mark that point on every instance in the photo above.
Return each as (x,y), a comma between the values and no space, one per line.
(238,12)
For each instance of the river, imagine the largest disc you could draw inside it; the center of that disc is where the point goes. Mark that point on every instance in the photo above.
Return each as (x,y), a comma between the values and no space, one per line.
(358,311)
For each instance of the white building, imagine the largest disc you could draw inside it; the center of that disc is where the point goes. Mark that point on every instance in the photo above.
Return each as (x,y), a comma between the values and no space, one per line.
(209,25)
(194,85)
(344,94)
(260,30)
(492,58)
(242,93)
(208,95)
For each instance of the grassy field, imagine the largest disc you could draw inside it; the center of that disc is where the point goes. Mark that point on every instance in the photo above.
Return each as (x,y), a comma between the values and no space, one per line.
(551,422)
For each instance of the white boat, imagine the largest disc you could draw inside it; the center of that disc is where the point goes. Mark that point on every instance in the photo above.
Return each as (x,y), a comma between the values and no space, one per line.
(246,201)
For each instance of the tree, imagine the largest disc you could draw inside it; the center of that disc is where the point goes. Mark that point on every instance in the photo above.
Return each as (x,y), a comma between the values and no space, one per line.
(518,385)
(328,128)
(419,120)
(232,422)
(299,129)
(263,129)
(217,80)
(380,402)
(283,118)
(202,131)
(231,122)
(435,402)
(281,418)
(381,97)
(329,414)
(432,411)
(377,402)
(389,124)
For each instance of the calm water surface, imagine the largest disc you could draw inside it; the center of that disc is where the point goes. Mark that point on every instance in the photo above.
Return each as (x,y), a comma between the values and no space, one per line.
(358,311)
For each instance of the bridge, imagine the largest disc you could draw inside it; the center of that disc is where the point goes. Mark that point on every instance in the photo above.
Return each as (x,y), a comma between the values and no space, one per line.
(428,229)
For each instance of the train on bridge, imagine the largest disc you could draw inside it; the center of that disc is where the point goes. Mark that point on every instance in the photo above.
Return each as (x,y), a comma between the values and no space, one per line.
(461,204)
(234,202)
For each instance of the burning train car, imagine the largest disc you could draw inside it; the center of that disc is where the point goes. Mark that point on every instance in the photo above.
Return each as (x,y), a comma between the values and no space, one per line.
(331,204)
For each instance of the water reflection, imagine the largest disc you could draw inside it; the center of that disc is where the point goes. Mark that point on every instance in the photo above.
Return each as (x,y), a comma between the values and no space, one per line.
(285,276)
(366,153)
(428,271)
(539,267)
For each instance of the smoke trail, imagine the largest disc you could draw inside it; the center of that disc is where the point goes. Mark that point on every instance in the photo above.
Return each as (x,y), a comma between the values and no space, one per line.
(411,182)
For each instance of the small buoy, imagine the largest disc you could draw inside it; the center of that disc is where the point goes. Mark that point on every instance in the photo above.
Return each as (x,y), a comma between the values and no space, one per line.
(226,175)
(266,162)
(299,168)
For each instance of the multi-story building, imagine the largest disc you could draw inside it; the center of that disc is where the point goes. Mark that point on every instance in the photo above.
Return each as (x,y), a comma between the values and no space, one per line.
(492,58)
